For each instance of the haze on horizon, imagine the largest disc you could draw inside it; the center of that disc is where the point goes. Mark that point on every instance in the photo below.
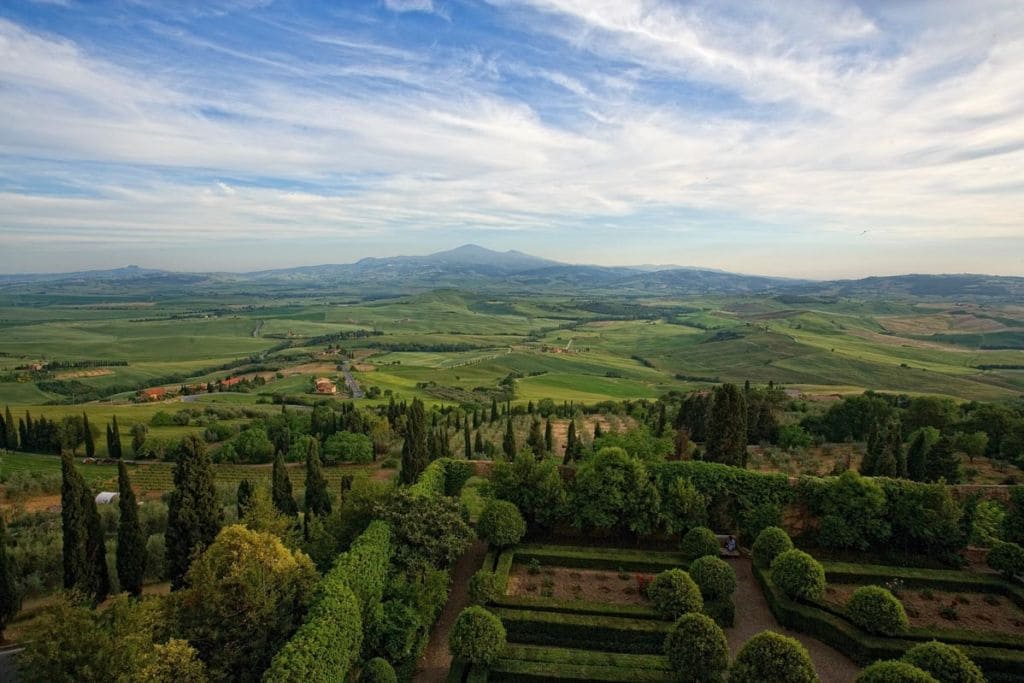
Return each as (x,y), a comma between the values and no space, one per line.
(815,139)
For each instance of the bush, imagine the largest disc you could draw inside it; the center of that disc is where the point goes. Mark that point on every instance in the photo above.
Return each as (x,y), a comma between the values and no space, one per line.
(893,672)
(348,447)
(697,650)
(1007,559)
(483,587)
(713,575)
(378,670)
(477,636)
(947,664)
(876,610)
(769,544)
(500,523)
(698,542)
(798,575)
(723,611)
(674,594)
(769,657)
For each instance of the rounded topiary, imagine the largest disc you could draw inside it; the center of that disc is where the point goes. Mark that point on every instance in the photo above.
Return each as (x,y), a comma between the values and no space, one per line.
(894,672)
(713,575)
(483,587)
(500,523)
(876,610)
(946,663)
(769,544)
(1007,559)
(477,636)
(378,670)
(698,542)
(798,575)
(674,594)
(697,650)
(769,657)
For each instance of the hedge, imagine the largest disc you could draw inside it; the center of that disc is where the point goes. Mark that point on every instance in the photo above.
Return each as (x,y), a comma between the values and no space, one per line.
(365,567)
(533,663)
(613,634)
(600,558)
(575,607)
(443,477)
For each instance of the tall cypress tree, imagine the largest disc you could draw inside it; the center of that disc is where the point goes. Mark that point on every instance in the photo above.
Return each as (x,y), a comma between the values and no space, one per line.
(131,543)
(659,427)
(318,501)
(942,462)
(415,457)
(536,439)
(115,439)
(74,528)
(508,444)
(281,488)
(10,598)
(726,440)
(90,443)
(11,429)
(549,437)
(466,438)
(478,443)
(494,409)
(597,430)
(887,462)
(193,514)
(110,441)
(570,443)
(243,495)
(921,443)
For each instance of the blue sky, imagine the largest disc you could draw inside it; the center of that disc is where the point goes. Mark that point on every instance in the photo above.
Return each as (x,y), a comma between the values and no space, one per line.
(812,139)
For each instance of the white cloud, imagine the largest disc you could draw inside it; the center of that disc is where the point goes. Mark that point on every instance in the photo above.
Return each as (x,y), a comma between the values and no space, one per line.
(410,5)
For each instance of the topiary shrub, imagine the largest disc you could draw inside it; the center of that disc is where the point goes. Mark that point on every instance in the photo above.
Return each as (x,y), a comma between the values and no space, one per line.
(483,587)
(500,523)
(894,672)
(674,594)
(769,544)
(876,610)
(477,636)
(946,663)
(697,650)
(798,575)
(698,542)
(769,657)
(723,611)
(1007,559)
(713,575)
(378,670)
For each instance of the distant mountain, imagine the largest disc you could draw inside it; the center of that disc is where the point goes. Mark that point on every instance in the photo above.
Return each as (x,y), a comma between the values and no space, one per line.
(963,285)
(125,273)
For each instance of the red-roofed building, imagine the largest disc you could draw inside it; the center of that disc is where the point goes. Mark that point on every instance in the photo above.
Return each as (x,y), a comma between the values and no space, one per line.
(153,394)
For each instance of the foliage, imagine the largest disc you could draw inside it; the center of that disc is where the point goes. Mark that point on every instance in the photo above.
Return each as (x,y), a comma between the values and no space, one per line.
(946,663)
(683,507)
(799,575)
(852,510)
(429,532)
(1013,523)
(792,437)
(924,518)
(131,544)
(10,598)
(674,594)
(281,488)
(890,671)
(770,543)
(698,542)
(84,549)
(500,523)
(877,610)
(193,512)
(612,490)
(769,657)
(697,649)
(477,636)
(638,442)
(348,447)
(726,440)
(414,449)
(318,501)
(378,670)
(1007,559)
(535,487)
(713,575)
(365,566)
(483,587)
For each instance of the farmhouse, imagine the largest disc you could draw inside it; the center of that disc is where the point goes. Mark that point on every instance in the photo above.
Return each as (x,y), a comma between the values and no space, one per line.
(153,394)
(325,386)
(230,382)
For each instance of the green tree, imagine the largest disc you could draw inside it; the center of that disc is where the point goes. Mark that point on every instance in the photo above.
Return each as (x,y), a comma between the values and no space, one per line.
(534,486)
(477,636)
(478,443)
(921,441)
(193,513)
(131,542)
(891,460)
(243,496)
(697,649)
(571,444)
(769,657)
(508,444)
(536,439)
(318,500)
(466,440)
(872,450)
(414,449)
(494,409)
(115,438)
(281,488)
(549,437)
(10,598)
(87,437)
(613,490)
(727,427)
(10,429)
(139,432)
(501,523)
(84,550)
(943,462)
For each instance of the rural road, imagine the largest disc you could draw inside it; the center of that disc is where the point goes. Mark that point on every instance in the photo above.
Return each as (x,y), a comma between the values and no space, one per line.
(350,381)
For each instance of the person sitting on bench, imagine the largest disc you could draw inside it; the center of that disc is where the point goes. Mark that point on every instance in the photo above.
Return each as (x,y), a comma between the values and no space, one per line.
(730,544)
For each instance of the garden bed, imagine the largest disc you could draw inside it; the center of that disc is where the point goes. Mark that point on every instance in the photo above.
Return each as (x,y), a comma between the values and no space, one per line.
(566,583)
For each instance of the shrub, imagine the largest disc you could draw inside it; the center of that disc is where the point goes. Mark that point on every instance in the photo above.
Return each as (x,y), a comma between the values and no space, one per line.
(500,523)
(713,575)
(946,663)
(876,610)
(483,587)
(894,672)
(723,611)
(348,447)
(477,636)
(770,543)
(1007,559)
(698,542)
(378,670)
(674,594)
(798,575)
(697,649)
(769,657)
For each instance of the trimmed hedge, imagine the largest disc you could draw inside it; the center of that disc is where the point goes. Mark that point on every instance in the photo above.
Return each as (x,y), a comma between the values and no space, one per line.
(714,576)
(894,672)
(378,670)
(500,523)
(594,632)
(799,575)
(1007,559)
(532,663)
(723,611)
(443,477)
(770,657)
(697,649)
(365,567)
(948,664)
(576,607)
(477,636)
(769,544)
(699,542)
(674,594)
(876,610)
(599,558)
(484,587)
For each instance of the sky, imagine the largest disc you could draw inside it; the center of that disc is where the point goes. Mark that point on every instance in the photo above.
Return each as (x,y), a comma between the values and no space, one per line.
(806,139)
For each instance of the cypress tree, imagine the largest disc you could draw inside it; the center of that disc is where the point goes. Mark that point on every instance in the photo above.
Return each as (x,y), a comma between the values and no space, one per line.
(243,496)
(3,432)
(193,514)
(890,452)
(115,437)
(478,443)
(536,439)
(727,427)
(415,457)
(90,443)
(570,443)
(917,454)
(597,430)
(96,549)
(318,501)
(549,437)
(110,441)
(508,444)
(281,488)
(494,409)
(10,598)
(131,543)
(11,429)
(659,429)
(466,438)
(476,419)
(872,450)
(77,573)
(942,462)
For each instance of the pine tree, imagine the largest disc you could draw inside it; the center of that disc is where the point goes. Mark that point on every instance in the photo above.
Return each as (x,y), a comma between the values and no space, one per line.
(243,496)
(131,543)
(726,440)
(415,457)
(10,598)
(943,462)
(570,443)
(281,488)
(508,444)
(549,437)
(536,439)
(466,438)
(478,443)
(193,513)
(115,436)
(90,443)
(318,501)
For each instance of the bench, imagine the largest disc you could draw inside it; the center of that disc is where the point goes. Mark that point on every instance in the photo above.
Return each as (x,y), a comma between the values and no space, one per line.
(722,538)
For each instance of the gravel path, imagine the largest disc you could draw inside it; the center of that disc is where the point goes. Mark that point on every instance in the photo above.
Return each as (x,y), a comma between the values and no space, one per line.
(435,662)
(753,616)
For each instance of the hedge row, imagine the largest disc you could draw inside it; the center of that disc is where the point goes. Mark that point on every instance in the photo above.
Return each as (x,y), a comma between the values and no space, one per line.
(576,607)
(600,558)
(939,579)
(532,663)
(365,567)
(443,477)
(613,634)
(832,629)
